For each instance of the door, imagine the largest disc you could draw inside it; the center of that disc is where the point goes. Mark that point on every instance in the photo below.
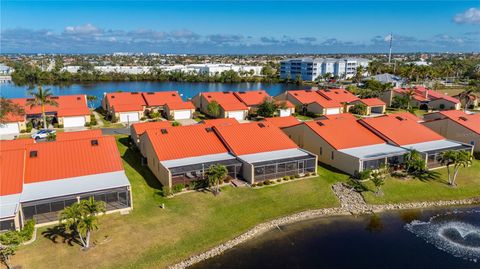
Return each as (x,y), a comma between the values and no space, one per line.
(129,117)
(331,111)
(238,115)
(284,112)
(73,121)
(182,114)
(9,128)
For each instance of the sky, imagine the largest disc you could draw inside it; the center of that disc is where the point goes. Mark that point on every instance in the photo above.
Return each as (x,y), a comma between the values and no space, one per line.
(237,27)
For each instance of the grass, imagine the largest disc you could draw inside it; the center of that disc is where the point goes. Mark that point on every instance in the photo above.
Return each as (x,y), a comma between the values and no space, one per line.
(151,237)
(418,112)
(303,118)
(415,190)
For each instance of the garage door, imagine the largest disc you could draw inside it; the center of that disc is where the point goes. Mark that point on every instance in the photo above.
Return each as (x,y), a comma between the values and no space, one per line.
(331,111)
(238,115)
(182,114)
(73,121)
(9,128)
(285,112)
(129,117)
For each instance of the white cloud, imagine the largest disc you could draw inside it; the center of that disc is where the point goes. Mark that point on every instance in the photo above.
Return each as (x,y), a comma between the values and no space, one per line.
(86,29)
(470,16)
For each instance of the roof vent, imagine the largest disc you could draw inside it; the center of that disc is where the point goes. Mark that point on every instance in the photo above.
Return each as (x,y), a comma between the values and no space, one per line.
(308,90)
(326,90)
(208,129)
(33,154)
(399,118)
(164,131)
(209,96)
(134,92)
(296,94)
(344,91)
(174,94)
(336,92)
(113,96)
(150,93)
(54,97)
(241,92)
(94,142)
(320,123)
(261,125)
(463,118)
(226,92)
(79,98)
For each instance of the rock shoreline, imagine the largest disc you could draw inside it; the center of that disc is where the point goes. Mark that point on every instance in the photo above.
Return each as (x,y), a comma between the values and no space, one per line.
(352,203)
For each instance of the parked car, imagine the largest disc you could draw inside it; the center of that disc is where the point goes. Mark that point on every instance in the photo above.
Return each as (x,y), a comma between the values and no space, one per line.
(42,134)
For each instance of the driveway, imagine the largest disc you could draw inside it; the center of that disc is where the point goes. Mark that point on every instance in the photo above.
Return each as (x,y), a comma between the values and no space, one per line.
(116,131)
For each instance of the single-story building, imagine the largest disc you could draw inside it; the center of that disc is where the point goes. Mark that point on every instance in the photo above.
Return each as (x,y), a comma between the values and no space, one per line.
(343,143)
(252,99)
(311,101)
(282,122)
(422,98)
(39,180)
(137,129)
(404,132)
(181,155)
(265,151)
(169,103)
(341,96)
(70,111)
(229,105)
(456,125)
(216,122)
(12,125)
(374,105)
(87,134)
(125,107)
(179,110)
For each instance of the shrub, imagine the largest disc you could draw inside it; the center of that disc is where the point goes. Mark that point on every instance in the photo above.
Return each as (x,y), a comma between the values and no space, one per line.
(228,179)
(28,229)
(267,182)
(55,125)
(23,131)
(154,115)
(297,176)
(29,126)
(254,184)
(60,126)
(143,118)
(87,124)
(114,119)
(166,191)
(259,184)
(279,180)
(178,188)
(476,155)
(175,123)
(285,178)
(18,237)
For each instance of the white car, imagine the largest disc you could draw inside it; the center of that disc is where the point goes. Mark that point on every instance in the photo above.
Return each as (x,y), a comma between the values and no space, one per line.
(42,134)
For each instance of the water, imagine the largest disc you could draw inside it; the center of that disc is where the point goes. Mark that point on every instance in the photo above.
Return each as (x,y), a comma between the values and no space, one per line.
(188,90)
(437,239)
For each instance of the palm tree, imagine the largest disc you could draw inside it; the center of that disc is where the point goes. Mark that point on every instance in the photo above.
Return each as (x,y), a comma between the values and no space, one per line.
(414,162)
(5,253)
(41,98)
(215,174)
(409,94)
(81,219)
(468,96)
(213,108)
(458,159)
(8,107)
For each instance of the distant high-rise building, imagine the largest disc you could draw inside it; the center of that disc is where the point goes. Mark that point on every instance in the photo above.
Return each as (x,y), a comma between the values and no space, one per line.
(309,69)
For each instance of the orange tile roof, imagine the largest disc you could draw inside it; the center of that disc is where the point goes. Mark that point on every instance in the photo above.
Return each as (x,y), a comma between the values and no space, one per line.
(372,102)
(221,121)
(249,138)
(408,115)
(127,107)
(69,105)
(338,95)
(10,117)
(308,96)
(417,96)
(252,98)
(227,100)
(180,105)
(125,98)
(161,98)
(401,130)
(470,121)
(185,141)
(78,135)
(71,158)
(15,144)
(288,104)
(141,127)
(347,116)
(11,171)
(343,132)
(282,122)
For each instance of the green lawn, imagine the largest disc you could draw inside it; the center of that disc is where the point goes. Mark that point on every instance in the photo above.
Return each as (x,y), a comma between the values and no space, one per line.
(397,190)
(151,237)
(303,118)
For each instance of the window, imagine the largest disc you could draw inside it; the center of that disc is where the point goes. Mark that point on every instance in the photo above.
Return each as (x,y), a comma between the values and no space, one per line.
(321,150)
(332,156)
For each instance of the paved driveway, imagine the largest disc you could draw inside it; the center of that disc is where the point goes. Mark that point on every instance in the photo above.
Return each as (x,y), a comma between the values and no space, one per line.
(116,131)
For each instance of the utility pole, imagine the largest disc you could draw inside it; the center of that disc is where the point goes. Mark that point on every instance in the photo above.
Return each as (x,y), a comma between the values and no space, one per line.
(390,51)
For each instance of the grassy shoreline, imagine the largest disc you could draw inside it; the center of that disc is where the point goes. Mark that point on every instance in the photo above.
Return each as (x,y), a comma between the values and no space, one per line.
(191,223)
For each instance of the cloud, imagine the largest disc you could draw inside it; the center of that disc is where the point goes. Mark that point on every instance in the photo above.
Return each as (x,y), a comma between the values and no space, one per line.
(89,38)
(469,16)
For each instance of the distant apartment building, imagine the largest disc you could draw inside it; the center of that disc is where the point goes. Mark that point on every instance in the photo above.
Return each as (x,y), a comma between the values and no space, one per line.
(309,69)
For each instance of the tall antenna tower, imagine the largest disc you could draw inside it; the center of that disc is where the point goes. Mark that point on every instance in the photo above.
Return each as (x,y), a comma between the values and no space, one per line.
(390,51)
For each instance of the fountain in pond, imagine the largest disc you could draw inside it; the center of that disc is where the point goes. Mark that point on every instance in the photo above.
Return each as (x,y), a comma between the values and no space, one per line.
(451,232)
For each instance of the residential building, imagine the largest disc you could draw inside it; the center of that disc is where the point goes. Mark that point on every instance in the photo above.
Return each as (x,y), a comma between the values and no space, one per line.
(422,98)
(252,99)
(311,101)
(282,122)
(409,134)
(229,105)
(456,125)
(309,69)
(12,125)
(126,107)
(396,81)
(137,129)
(223,121)
(38,180)
(342,142)
(169,103)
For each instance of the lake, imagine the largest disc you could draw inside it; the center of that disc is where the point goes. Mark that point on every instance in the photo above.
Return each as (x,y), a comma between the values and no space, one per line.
(188,90)
(388,240)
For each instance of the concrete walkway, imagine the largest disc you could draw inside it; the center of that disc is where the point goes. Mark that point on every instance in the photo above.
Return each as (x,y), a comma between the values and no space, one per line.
(98,117)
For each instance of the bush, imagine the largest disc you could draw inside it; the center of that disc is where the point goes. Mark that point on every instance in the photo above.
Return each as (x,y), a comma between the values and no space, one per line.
(28,229)
(259,184)
(175,123)
(297,176)
(197,184)
(23,131)
(178,188)
(228,179)
(60,126)
(254,184)
(166,191)
(285,178)
(268,182)
(279,180)
(29,126)
(113,119)
(476,155)
(154,115)
(143,118)
(17,237)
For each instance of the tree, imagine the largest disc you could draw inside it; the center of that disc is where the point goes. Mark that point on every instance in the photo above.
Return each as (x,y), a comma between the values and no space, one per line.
(81,219)
(9,243)
(91,99)
(356,185)
(213,108)
(41,98)
(378,177)
(215,174)
(359,109)
(456,158)
(359,74)
(409,94)
(414,162)
(8,107)
(468,96)
(268,107)
(5,253)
